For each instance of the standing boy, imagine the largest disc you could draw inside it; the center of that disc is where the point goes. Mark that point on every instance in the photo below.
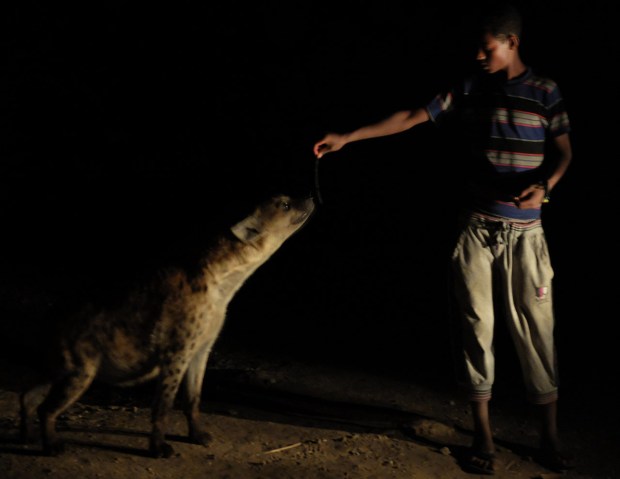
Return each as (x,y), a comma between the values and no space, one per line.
(508,116)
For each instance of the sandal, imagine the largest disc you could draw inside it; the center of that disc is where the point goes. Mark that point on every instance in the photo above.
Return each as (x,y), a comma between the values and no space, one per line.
(555,461)
(479,462)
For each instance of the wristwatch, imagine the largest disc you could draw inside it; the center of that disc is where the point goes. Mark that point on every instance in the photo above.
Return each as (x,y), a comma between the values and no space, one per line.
(545,185)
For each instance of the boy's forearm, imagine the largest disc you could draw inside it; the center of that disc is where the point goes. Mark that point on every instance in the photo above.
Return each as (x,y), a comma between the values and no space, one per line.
(564,160)
(558,173)
(396,123)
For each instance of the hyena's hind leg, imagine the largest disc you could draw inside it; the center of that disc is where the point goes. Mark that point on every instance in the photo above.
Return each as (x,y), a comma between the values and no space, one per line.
(63,393)
(193,389)
(28,402)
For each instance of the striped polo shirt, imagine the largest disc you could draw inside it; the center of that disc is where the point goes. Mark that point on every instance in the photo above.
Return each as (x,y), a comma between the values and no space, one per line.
(505,124)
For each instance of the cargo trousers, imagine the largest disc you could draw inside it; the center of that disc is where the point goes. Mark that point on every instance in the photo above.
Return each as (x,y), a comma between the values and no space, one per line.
(513,257)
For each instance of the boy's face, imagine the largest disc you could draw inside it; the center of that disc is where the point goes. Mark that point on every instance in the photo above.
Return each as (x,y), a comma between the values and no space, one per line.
(496,53)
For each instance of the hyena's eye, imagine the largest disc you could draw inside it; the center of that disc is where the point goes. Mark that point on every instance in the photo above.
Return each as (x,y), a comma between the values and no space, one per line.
(285,205)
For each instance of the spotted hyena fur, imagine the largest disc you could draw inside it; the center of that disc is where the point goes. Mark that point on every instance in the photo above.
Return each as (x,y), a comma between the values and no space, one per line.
(162,331)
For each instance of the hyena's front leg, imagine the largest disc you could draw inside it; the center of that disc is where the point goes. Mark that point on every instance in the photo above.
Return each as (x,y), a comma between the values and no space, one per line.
(170,377)
(193,388)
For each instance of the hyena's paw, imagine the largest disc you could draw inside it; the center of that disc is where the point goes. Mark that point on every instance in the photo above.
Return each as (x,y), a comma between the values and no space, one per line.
(53,448)
(200,437)
(159,449)
(27,433)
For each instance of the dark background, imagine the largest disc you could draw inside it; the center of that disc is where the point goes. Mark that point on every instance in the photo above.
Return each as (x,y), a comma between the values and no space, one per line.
(130,134)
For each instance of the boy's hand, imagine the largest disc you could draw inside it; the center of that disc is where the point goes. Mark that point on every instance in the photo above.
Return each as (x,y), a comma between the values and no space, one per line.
(530,197)
(330,143)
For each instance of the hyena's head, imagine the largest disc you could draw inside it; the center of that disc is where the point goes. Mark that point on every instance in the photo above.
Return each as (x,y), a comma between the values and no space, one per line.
(273,222)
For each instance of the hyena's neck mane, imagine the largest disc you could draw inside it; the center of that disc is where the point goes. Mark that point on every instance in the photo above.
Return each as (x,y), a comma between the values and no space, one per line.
(230,261)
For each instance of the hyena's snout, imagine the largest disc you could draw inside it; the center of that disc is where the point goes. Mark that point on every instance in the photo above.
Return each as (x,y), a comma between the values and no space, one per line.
(305,207)
(285,212)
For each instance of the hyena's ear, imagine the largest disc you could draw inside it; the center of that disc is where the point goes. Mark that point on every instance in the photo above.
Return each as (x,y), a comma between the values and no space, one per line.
(247,229)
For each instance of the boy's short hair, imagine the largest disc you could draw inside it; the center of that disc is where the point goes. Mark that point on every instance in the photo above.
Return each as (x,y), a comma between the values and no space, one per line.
(500,19)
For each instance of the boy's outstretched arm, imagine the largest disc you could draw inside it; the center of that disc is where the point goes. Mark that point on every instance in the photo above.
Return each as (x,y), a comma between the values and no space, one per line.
(395,123)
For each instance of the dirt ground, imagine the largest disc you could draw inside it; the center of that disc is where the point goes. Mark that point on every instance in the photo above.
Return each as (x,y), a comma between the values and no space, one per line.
(280,418)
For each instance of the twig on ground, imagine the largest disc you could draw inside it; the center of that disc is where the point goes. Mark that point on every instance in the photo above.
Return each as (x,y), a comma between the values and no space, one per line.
(280,449)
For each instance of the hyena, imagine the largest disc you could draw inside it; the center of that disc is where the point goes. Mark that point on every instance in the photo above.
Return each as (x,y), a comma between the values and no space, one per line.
(163,330)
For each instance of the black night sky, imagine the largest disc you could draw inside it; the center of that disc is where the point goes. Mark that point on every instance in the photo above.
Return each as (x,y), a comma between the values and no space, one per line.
(131,133)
